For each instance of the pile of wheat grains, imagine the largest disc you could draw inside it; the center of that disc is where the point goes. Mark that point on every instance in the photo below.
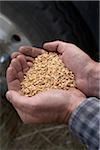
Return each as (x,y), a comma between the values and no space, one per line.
(48,72)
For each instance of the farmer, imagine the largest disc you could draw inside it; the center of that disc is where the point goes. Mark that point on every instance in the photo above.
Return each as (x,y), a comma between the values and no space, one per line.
(79,108)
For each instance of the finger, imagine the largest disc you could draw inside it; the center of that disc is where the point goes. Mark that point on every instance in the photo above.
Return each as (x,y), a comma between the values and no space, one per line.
(26,62)
(16,99)
(31,51)
(12,81)
(14,85)
(15,63)
(56,46)
(23,103)
(29,64)
(30,59)
(15,54)
(23,63)
(11,74)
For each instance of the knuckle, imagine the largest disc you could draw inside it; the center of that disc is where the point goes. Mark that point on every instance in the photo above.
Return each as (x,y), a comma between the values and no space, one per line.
(59,42)
(72,45)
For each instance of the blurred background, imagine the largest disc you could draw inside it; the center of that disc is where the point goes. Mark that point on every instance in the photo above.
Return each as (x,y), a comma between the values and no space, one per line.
(33,23)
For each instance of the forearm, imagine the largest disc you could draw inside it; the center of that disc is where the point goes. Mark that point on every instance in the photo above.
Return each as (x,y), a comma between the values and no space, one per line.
(84,122)
(94,79)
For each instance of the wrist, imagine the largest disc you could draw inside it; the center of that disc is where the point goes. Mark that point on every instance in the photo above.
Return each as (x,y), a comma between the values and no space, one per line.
(77,102)
(93,78)
(76,98)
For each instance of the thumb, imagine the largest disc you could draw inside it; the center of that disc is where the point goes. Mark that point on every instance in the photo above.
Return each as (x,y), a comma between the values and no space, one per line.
(18,101)
(51,46)
(12,96)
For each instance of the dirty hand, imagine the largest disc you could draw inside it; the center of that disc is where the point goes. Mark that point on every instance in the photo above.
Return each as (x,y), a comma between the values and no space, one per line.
(85,69)
(45,107)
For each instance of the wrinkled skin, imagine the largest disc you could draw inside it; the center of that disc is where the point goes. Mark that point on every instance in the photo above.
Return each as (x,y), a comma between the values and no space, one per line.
(77,61)
(45,107)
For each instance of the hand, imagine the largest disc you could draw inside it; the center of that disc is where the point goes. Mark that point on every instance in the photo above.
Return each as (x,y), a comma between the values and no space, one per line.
(19,65)
(80,63)
(45,107)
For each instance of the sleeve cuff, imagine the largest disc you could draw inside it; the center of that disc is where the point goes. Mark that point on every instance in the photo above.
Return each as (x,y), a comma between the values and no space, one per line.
(84,122)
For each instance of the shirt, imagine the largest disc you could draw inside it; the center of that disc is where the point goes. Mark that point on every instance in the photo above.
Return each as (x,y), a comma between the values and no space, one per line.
(84,122)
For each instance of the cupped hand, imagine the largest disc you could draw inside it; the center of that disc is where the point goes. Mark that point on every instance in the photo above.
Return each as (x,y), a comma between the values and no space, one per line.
(19,65)
(15,72)
(76,60)
(45,107)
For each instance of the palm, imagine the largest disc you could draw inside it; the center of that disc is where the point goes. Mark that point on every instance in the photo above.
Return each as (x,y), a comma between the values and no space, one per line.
(75,59)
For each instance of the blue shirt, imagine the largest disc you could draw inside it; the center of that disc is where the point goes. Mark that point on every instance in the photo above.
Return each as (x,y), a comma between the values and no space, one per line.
(84,122)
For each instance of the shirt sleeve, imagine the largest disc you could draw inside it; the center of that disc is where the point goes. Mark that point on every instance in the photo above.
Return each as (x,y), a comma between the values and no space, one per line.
(84,122)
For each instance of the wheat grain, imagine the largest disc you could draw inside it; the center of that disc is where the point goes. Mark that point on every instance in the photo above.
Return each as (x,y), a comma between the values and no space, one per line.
(47,72)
